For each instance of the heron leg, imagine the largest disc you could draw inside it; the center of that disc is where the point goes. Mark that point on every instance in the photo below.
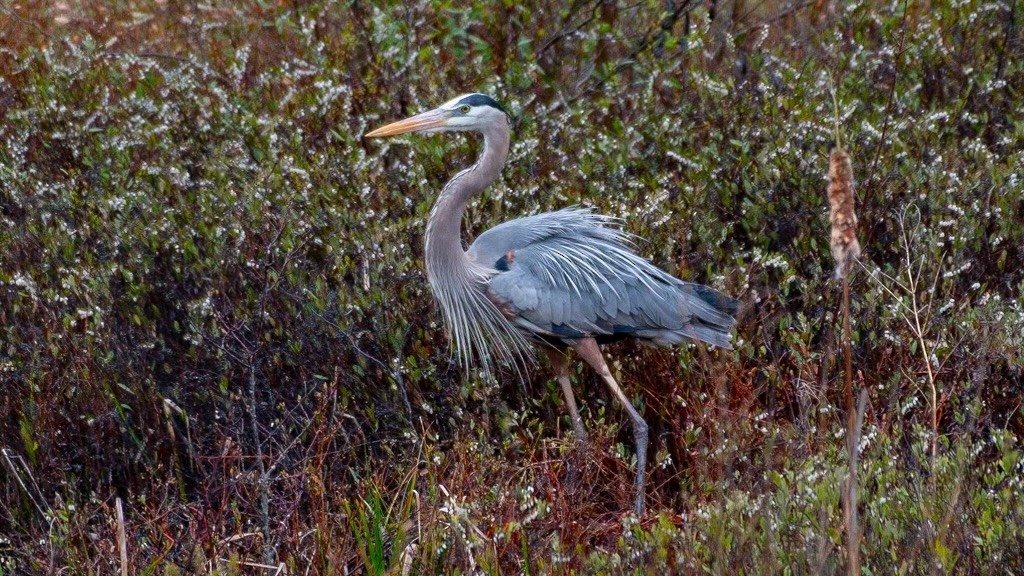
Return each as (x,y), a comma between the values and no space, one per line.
(588,350)
(560,363)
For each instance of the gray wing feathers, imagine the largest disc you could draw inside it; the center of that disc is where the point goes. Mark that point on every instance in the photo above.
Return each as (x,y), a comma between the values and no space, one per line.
(570,274)
(521,232)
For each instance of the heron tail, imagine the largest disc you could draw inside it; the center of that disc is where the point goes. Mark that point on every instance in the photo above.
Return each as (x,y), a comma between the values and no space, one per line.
(711,318)
(714,316)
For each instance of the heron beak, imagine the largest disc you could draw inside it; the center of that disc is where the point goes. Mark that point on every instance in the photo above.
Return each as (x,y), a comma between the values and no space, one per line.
(425,121)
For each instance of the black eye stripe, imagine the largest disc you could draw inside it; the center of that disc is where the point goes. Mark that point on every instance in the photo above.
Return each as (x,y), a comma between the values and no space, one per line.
(481,100)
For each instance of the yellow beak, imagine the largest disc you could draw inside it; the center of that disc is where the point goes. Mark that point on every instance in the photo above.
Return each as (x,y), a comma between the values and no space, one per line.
(424,121)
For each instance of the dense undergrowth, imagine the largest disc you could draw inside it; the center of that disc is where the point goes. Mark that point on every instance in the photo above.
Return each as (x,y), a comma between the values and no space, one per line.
(212,304)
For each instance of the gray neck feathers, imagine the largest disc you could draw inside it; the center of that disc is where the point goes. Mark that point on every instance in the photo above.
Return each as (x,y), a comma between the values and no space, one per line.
(444,229)
(458,283)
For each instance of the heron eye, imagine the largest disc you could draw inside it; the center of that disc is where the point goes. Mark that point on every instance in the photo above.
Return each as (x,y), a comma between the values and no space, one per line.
(464,108)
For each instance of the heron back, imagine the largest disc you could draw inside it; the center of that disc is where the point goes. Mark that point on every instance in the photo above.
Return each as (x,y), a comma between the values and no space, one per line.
(571,274)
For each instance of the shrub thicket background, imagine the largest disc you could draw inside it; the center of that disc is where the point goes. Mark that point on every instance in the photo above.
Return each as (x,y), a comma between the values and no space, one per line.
(213,308)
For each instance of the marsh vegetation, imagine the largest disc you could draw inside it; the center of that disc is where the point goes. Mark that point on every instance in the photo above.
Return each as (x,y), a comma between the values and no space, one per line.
(218,350)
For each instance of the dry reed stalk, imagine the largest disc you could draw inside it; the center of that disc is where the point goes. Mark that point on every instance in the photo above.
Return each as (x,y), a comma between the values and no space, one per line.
(846,250)
(122,540)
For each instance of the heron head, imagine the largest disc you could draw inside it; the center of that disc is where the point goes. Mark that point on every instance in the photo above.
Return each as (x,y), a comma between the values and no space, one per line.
(469,112)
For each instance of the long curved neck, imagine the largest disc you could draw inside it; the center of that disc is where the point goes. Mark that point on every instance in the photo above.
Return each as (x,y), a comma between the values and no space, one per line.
(477,328)
(443,250)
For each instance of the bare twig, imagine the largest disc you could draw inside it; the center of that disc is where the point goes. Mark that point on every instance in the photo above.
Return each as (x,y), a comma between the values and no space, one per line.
(37,503)
(280,568)
(650,38)
(14,14)
(917,316)
(919,330)
(394,375)
(569,30)
(892,91)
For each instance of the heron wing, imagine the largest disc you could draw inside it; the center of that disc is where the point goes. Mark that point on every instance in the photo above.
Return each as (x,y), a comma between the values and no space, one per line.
(571,274)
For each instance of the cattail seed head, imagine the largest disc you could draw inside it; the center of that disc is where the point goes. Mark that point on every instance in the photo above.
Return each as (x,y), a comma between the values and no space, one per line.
(845,248)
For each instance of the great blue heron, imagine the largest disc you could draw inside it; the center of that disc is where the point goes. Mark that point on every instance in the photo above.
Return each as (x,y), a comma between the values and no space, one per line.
(564,279)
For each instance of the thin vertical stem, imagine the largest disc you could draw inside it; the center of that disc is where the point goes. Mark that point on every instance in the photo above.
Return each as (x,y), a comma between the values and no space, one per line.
(854,417)
(847,350)
(933,389)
